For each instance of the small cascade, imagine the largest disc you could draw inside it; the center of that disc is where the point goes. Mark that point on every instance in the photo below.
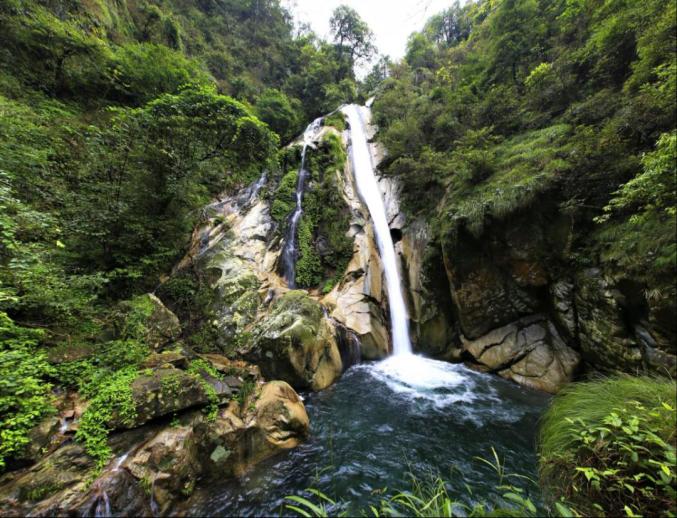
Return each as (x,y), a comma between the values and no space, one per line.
(250,193)
(371,194)
(102,505)
(290,250)
(117,464)
(154,509)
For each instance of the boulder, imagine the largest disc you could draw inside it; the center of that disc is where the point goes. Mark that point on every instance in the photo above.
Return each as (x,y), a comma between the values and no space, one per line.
(47,488)
(529,352)
(168,464)
(162,327)
(242,436)
(164,391)
(296,343)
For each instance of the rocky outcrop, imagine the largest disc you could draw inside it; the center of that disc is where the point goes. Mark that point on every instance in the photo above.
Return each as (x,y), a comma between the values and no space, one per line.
(296,343)
(160,327)
(158,466)
(432,325)
(162,392)
(519,270)
(528,351)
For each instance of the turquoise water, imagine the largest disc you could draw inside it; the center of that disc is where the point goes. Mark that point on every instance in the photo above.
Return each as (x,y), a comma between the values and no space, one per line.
(383,421)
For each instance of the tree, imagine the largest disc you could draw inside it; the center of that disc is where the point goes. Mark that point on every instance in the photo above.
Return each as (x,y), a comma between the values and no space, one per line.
(379,72)
(450,27)
(280,113)
(352,37)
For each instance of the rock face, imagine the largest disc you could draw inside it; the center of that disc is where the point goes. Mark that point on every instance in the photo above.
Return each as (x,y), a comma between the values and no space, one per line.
(297,343)
(432,324)
(528,351)
(522,309)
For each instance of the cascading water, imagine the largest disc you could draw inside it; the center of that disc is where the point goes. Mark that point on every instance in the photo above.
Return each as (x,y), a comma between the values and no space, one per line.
(290,251)
(369,191)
(385,421)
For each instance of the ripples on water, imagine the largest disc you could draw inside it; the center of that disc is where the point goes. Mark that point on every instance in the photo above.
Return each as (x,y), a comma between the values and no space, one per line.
(383,421)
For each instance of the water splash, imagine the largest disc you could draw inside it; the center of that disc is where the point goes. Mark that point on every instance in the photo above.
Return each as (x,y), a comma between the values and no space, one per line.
(102,505)
(371,194)
(117,464)
(290,250)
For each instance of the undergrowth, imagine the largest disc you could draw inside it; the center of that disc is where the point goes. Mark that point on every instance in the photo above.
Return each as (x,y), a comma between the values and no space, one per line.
(608,446)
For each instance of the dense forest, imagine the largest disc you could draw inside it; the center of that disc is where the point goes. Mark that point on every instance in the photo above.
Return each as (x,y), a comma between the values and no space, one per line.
(533,144)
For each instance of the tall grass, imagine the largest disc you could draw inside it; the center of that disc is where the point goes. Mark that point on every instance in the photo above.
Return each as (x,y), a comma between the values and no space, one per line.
(608,446)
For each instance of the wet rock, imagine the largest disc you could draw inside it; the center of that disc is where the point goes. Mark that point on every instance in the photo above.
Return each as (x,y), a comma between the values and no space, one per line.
(242,436)
(166,358)
(296,343)
(49,487)
(227,366)
(281,417)
(236,298)
(501,275)
(605,339)
(115,493)
(429,300)
(529,351)
(168,464)
(563,297)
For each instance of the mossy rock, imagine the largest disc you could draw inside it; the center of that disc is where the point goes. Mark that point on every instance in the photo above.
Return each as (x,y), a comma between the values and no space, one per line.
(296,343)
(147,319)
(162,392)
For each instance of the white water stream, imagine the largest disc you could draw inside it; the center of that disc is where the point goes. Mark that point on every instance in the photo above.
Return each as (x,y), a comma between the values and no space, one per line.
(371,194)
(290,251)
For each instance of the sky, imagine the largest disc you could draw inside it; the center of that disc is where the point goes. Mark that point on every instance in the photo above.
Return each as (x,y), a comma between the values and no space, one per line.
(392,21)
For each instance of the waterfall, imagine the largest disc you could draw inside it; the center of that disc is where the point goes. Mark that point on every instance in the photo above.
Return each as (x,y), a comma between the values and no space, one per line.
(290,251)
(369,191)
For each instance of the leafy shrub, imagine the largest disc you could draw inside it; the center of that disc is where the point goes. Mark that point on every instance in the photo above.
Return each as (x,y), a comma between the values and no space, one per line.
(336,120)
(283,203)
(280,113)
(608,446)
(112,398)
(642,218)
(24,392)
(144,71)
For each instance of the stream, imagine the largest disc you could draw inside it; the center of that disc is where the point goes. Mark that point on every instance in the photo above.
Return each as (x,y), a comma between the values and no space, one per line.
(382,421)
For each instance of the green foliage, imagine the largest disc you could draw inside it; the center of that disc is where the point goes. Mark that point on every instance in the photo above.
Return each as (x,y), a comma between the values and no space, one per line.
(324,247)
(643,239)
(145,71)
(112,399)
(277,110)
(608,446)
(352,38)
(284,200)
(499,105)
(336,120)
(25,395)
(201,368)
(308,267)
